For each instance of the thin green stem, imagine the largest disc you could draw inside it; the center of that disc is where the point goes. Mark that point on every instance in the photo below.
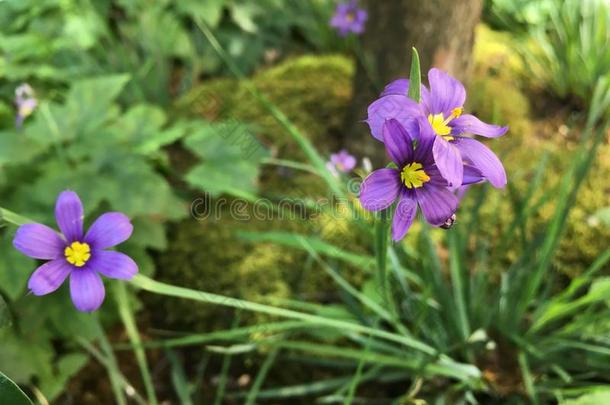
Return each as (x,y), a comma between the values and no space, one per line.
(458,370)
(126,313)
(260,377)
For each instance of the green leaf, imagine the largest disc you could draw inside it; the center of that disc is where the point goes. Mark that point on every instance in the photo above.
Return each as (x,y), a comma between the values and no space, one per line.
(415,77)
(10,393)
(210,10)
(230,156)
(17,148)
(15,268)
(595,398)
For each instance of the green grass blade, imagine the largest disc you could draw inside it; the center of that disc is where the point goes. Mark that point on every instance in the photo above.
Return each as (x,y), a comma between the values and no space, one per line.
(179,380)
(126,313)
(461,371)
(415,77)
(260,377)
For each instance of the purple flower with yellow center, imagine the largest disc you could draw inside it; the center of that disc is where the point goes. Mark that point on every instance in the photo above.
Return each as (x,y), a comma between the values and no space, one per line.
(26,103)
(81,256)
(442,106)
(349,18)
(416,180)
(341,162)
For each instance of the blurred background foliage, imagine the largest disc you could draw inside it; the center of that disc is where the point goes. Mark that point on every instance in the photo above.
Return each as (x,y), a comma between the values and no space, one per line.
(138,113)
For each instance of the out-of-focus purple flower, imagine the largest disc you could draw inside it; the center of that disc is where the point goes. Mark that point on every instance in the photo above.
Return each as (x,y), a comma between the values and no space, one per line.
(416,180)
(341,162)
(82,256)
(26,103)
(442,106)
(349,18)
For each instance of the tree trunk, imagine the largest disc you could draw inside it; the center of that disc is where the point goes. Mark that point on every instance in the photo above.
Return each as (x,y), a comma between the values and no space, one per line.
(441,30)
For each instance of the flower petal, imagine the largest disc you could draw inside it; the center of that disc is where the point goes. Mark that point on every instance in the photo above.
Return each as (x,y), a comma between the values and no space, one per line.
(483,159)
(446,93)
(405,212)
(398,143)
(437,203)
(69,215)
(472,175)
(400,87)
(401,108)
(380,189)
(470,124)
(109,230)
(49,277)
(86,289)
(112,264)
(449,161)
(39,242)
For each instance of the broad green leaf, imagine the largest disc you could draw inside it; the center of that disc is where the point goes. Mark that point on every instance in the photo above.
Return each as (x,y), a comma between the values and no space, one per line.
(230,156)
(11,394)
(15,268)
(5,315)
(17,148)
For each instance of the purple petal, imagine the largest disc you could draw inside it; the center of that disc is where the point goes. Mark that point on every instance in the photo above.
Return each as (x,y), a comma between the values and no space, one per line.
(425,141)
(109,230)
(483,159)
(401,108)
(405,212)
(49,277)
(472,175)
(112,264)
(470,124)
(86,289)
(446,93)
(437,203)
(39,242)
(69,215)
(400,87)
(380,189)
(449,161)
(398,143)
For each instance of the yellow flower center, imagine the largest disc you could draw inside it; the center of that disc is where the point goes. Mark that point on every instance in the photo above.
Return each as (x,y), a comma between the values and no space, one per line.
(350,17)
(413,175)
(78,253)
(440,124)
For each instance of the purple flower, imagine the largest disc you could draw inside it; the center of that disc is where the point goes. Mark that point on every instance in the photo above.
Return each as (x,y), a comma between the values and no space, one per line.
(349,18)
(25,102)
(73,253)
(442,106)
(341,162)
(416,180)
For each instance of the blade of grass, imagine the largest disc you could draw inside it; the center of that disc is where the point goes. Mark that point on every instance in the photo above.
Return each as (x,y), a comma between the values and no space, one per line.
(126,313)
(260,377)
(415,77)
(449,366)
(179,380)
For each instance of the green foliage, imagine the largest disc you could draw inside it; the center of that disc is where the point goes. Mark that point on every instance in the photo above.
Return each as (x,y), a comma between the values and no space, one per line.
(230,156)
(572,53)
(516,15)
(10,393)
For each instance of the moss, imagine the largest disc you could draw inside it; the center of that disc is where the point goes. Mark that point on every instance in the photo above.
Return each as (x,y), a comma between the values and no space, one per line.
(313,92)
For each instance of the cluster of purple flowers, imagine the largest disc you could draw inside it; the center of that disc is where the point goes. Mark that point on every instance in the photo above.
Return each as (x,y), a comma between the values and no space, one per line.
(433,158)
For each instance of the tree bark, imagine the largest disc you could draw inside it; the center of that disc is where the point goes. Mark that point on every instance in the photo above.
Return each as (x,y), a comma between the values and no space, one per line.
(441,30)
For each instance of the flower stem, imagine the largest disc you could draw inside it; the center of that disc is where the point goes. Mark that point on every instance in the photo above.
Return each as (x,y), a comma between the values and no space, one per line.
(382,226)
